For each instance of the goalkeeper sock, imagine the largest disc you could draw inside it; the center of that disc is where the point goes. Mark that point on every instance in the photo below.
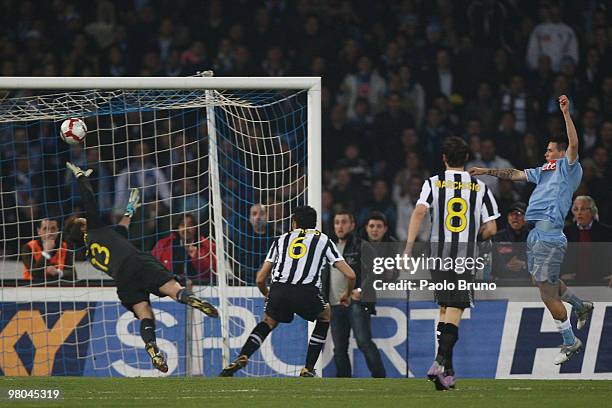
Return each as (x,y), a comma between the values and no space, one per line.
(448,337)
(439,330)
(147,330)
(258,335)
(317,340)
(565,328)
(572,299)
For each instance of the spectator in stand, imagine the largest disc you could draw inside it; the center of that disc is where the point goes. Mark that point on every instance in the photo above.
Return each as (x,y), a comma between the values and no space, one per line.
(337,135)
(541,80)
(588,131)
(591,73)
(605,134)
(405,195)
(516,100)
(484,107)
(327,212)
(254,243)
(413,95)
(560,87)
(390,123)
(510,248)
(186,252)
(142,173)
(434,133)
(588,262)
(47,257)
(359,168)
(442,79)
(530,152)
(380,201)
(357,315)
(365,83)
(507,198)
(551,37)
(489,159)
(508,139)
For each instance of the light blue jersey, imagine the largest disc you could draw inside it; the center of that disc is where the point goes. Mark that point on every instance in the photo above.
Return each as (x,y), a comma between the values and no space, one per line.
(552,198)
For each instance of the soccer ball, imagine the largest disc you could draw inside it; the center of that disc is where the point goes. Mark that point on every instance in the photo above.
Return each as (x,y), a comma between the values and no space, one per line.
(73,131)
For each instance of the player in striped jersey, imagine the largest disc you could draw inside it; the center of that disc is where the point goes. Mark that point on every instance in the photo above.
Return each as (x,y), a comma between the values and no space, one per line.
(295,261)
(461,207)
(548,206)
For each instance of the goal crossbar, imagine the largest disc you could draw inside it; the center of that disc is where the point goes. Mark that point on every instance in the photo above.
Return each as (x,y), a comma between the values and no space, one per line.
(68,83)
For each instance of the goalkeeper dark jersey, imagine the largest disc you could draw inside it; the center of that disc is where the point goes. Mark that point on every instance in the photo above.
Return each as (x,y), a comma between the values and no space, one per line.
(108,248)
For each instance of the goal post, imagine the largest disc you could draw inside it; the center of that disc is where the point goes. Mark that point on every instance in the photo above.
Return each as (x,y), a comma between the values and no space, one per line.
(253,137)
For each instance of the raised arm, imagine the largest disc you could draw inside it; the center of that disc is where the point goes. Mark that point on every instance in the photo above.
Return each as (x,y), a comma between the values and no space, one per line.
(130,209)
(572,135)
(504,174)
(88,198)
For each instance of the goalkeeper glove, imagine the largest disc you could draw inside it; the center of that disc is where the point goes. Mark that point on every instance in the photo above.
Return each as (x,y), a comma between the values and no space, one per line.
(133,203)
(76,170)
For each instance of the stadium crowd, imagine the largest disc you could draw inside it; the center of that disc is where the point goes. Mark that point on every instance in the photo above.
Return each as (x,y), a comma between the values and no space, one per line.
(398,78)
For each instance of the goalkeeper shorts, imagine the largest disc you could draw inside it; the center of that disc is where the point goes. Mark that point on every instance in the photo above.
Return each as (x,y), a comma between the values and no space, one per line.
(140,276)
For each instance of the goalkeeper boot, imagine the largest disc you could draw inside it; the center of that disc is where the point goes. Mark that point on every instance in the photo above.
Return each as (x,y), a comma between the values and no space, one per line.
(567,352)
(202,305)
(436,375)
(583,314)
(308,373)
(157,358)
(239,363)
(449,378)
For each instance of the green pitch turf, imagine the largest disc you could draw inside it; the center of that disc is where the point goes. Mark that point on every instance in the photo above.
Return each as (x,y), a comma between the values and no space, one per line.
(314,392)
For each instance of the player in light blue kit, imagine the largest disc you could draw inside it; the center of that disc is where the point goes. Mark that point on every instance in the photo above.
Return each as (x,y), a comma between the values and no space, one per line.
(548,206)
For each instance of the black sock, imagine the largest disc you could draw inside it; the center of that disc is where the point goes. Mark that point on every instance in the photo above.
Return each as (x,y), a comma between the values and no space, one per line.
(258,335)
(183,295)
(317,339)
(147,330)
(439,330)
(448,337)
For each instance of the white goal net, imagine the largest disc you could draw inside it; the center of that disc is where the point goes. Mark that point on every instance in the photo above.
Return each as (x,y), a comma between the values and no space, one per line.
(220,163)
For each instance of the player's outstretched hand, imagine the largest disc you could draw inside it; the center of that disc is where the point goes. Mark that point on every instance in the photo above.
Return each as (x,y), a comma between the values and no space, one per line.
(476,171)
(133,203)
(76,170)
(564,104)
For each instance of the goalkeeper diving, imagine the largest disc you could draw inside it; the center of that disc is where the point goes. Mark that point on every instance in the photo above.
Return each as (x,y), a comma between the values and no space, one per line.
(137,274)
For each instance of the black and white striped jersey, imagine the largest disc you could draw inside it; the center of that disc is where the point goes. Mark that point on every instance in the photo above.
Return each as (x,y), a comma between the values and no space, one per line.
(300,255)
(459,204)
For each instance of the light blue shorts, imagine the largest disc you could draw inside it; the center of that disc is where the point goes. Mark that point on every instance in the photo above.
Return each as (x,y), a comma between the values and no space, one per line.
(545,252)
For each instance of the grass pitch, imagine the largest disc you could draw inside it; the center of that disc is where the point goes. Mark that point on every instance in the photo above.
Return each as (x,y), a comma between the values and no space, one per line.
(308,392)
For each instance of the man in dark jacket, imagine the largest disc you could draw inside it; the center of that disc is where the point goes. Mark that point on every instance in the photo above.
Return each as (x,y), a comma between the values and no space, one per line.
(510,248)
(588,260)
(357,315)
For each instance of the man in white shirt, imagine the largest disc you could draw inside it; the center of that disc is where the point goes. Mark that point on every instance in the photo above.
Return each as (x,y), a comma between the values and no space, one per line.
(553,38)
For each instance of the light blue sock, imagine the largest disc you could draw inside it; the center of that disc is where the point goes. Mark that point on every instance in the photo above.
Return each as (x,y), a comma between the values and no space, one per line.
(565,328)
(572,299)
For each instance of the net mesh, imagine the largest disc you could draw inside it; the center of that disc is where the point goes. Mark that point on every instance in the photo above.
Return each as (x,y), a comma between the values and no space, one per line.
(159,141)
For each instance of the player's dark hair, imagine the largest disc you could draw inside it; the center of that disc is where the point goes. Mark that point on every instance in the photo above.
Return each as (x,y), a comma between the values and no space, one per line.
(305,217)
(456,151)
(377,216)
(50,219)
(181,219)
(347,213)
(561,142)
(72,231)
